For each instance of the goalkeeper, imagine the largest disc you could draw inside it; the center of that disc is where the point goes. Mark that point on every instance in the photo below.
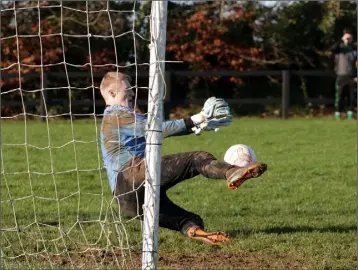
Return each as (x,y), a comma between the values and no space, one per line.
(123,148)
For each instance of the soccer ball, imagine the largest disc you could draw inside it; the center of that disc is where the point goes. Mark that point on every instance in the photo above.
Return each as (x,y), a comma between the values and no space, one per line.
(240,155)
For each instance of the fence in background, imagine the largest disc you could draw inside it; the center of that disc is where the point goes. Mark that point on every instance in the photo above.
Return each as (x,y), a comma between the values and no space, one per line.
(284,100)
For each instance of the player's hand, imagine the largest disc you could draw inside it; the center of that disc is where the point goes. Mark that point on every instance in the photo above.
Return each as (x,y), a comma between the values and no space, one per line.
(215,108)
(213,124)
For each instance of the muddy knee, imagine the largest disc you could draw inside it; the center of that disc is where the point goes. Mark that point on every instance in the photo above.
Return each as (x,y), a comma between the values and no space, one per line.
(204,155)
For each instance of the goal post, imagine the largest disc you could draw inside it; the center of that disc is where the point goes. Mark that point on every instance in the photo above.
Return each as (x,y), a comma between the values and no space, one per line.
(158,23)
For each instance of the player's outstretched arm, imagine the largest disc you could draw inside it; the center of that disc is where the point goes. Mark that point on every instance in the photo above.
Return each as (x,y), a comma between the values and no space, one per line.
(178,127)
(215,113)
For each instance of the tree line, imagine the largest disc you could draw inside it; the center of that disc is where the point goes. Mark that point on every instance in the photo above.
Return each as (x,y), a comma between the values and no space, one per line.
(212,35)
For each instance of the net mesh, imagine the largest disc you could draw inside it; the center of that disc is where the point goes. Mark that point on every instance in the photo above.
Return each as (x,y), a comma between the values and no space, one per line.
(57,208)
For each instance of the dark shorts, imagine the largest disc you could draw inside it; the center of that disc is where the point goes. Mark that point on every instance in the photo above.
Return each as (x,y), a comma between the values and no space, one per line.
(174,169)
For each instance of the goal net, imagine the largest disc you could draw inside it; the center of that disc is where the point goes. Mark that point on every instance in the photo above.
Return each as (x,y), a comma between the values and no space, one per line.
(57,208)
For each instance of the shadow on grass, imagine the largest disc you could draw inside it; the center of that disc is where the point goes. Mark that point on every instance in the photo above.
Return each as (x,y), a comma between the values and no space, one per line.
(291,230)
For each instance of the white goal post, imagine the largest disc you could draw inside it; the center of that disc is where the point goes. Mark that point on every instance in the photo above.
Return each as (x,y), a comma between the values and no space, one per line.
(158,24)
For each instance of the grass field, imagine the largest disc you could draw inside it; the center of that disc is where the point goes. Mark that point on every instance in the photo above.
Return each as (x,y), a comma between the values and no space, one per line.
(301,214)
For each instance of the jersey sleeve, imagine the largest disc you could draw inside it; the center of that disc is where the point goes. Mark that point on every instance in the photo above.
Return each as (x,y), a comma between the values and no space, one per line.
(176,127)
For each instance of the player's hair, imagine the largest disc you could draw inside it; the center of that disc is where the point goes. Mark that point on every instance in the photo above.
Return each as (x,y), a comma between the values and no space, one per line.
(111,79)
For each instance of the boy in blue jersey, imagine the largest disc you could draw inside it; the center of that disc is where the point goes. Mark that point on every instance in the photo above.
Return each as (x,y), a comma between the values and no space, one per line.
(123,149)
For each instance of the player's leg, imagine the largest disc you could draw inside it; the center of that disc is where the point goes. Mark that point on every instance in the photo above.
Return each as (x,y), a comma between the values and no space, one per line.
(129,193)
(191,225)
(178,167)
(339,98)
(174,169)
(129,188)
(350,97)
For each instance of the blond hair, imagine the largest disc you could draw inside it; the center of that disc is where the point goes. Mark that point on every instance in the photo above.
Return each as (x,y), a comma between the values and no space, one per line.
(112,80)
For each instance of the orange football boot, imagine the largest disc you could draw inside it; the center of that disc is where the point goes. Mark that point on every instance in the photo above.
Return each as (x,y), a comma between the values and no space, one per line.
(210,238)
(242,174)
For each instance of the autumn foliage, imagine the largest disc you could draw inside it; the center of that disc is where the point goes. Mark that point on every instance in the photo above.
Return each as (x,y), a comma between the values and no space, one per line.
(35,48)
(83,36)
(208,42)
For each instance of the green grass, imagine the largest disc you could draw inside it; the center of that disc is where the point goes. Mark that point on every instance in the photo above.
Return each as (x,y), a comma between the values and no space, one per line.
(300,214)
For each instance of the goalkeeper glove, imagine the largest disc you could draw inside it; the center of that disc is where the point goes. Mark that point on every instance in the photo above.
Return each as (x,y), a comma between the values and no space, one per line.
(215,113)
(213,108)
(213,124)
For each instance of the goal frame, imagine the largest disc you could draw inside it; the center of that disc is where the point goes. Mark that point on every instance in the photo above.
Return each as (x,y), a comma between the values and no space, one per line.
(158,24)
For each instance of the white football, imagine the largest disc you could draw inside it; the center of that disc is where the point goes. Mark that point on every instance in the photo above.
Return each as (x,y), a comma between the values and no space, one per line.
(240,155)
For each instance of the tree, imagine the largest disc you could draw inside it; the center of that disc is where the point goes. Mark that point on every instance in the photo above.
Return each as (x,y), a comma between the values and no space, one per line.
(205,41)
(49,37)
(213,36)
(24,49)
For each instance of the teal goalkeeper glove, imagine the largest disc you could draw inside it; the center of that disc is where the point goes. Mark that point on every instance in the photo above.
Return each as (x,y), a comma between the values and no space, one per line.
(215,113)
(215,123)
(215,108)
